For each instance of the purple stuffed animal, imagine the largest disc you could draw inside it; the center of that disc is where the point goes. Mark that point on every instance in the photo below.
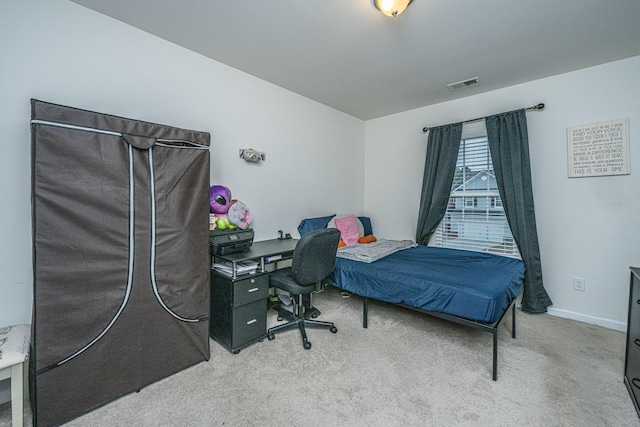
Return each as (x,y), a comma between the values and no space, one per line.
(219,199)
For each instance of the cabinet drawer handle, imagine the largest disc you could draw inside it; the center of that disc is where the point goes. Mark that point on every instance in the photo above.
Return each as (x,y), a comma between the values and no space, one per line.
(638,301)
(636,382)
(637,341)
(253,290)
(251,321)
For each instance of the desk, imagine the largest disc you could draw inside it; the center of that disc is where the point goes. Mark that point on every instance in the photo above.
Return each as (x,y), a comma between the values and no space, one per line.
(239,302)
(265,251)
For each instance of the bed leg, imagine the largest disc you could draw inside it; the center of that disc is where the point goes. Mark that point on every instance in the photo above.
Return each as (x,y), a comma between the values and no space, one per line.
(365,311)
(513,327)
(495,354)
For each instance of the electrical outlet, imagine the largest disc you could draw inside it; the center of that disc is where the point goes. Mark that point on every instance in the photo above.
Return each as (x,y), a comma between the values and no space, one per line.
(579,284)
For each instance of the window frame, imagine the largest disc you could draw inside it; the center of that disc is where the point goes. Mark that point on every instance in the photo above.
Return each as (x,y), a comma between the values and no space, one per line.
(470,226)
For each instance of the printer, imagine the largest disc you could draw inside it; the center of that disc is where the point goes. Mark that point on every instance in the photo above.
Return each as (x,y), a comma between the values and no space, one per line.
(225,242)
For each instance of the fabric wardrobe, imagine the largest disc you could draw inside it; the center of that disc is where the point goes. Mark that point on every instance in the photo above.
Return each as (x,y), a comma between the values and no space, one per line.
(121,257)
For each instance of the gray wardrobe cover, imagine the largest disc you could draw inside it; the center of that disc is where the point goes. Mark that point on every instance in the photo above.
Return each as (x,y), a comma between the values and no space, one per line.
(121,257)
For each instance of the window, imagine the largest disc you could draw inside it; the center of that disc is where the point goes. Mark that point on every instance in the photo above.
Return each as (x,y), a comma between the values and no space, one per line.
(475,218)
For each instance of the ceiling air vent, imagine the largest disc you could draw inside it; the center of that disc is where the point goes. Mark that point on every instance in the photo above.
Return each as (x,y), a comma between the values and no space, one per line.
(464,84)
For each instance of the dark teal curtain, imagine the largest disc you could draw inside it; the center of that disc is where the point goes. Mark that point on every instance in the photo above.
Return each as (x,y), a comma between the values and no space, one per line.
(509,147)
(439,170)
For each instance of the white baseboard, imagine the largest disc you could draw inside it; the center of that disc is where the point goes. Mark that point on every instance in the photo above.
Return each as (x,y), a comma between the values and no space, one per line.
(607,323)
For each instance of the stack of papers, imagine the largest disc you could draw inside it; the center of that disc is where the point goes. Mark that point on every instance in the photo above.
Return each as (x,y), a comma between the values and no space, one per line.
(242,267)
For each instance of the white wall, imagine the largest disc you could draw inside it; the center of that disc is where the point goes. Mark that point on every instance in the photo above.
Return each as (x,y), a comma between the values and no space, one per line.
(587,227)
(57,51)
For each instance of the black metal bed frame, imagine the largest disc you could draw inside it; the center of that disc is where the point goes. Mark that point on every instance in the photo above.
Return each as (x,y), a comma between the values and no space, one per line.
(488,327)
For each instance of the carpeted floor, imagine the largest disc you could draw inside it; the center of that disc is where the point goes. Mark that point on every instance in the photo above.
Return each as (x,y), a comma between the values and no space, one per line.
(406,369)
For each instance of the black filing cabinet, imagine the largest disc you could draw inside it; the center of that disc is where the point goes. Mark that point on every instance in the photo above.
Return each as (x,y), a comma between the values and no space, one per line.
(632,358)
(239,309)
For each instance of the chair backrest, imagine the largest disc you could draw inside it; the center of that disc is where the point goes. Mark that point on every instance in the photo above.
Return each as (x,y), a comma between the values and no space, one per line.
(315,255)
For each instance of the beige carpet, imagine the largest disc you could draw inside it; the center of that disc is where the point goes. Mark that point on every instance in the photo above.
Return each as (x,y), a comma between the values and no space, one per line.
(406,369)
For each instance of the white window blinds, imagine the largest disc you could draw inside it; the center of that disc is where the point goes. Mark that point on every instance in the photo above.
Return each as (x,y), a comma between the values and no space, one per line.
(475,219)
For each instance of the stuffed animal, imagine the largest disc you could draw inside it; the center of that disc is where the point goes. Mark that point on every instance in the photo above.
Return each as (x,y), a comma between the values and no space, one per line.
(226,212)
(222,223)
(239,214)
(219,199)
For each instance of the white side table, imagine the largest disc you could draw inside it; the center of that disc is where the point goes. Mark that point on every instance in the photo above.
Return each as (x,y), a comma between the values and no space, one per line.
(14,351)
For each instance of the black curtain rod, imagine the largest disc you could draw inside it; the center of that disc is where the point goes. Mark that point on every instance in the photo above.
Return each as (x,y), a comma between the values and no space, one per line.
(535,107)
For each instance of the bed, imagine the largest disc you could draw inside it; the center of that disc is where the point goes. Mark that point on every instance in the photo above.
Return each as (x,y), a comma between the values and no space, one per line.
(469,288)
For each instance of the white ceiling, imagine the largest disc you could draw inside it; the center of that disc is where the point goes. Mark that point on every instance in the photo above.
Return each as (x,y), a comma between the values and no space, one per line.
(347,55)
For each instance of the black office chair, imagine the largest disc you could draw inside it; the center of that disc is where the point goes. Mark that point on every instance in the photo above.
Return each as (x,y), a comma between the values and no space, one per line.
(313,261)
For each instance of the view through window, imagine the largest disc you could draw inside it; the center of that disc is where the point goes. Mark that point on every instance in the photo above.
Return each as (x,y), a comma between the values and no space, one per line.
(475,218)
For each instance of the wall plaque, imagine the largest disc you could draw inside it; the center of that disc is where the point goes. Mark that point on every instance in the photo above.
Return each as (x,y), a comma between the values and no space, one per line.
(599,149)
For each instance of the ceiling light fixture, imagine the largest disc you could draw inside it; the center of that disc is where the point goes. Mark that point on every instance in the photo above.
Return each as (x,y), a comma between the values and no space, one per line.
(391,7)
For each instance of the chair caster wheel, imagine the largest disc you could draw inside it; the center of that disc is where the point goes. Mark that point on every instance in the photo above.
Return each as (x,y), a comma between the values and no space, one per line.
(235,351)
(271,336)
(314,315)
(333,329)
(307,345)
(280,318)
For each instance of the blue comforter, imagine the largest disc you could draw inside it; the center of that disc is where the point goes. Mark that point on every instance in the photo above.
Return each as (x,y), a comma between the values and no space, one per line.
(472,285)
